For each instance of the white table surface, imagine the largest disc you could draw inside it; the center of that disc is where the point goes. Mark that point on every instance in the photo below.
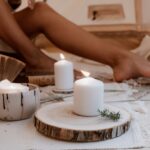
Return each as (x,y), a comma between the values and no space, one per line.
(22,135)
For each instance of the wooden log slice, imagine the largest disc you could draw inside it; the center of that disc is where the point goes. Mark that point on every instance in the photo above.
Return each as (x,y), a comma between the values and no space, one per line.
(41,80)
(58,121)
(10,67)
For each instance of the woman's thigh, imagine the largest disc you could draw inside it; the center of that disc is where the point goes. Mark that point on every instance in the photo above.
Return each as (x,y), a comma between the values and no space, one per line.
(33,21)
(27,21)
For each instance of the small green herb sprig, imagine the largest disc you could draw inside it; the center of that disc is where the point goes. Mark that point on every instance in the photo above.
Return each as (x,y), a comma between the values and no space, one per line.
(111,115)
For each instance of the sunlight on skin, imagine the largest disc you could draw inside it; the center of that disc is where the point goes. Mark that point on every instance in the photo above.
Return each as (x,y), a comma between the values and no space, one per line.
(31,4)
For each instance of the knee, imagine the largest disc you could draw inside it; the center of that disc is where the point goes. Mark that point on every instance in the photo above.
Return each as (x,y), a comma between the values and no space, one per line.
(43,10)
(41,7)
(42,13)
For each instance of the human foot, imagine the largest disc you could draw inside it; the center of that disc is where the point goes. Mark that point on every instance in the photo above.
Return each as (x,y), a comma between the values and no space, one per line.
(131,66)
(43,67)
(46,67)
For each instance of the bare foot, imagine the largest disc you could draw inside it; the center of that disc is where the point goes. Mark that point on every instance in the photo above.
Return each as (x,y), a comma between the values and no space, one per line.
(46,67)
(131,66)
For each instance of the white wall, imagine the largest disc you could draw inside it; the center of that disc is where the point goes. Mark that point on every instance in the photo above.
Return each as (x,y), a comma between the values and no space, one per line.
(71,8)
(77,11)
(146,11)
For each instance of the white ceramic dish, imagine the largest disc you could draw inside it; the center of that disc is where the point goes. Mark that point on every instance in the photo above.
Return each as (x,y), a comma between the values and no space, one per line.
(20,105)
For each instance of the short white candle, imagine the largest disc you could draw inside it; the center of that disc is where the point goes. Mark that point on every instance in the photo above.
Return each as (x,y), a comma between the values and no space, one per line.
(8,87)
(88,96)
(64,76)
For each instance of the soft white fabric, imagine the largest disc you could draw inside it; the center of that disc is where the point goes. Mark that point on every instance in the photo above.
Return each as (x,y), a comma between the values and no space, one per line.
(23,135)
(114,92)
(144,48)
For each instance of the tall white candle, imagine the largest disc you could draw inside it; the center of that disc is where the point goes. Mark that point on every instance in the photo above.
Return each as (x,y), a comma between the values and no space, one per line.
(64,76)
(88,96)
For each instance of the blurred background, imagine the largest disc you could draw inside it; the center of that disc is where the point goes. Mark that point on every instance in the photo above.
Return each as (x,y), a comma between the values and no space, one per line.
(132,13)
(126,21)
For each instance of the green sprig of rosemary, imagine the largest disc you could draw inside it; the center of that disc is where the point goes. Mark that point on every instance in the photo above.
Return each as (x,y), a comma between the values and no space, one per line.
(111,115)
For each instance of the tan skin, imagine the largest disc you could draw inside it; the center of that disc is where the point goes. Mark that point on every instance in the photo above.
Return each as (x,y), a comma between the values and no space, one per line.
(15,29)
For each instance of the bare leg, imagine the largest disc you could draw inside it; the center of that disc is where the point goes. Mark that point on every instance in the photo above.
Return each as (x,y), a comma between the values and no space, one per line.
(68,37)
(11,32)
(73,39)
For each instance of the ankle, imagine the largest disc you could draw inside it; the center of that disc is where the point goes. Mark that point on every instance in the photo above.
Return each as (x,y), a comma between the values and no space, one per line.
(122,68)
(120,58)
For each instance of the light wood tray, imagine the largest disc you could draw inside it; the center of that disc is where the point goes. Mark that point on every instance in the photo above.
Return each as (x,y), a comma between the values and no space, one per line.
(58,121)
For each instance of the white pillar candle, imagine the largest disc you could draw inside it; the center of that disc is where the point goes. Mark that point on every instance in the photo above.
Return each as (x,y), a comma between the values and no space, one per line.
(8,87)
(88,96)
(64,76)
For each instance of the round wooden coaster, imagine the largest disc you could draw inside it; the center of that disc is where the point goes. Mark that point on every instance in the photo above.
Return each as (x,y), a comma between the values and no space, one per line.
(58,121)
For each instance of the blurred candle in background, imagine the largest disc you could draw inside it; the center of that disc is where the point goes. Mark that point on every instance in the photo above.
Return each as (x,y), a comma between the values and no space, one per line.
(64,76)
